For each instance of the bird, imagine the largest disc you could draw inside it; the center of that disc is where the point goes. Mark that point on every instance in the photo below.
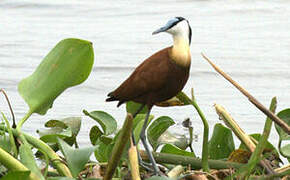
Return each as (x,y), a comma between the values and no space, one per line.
(159,77)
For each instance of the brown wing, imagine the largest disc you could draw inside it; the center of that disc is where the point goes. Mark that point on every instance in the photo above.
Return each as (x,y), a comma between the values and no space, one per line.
(149,76)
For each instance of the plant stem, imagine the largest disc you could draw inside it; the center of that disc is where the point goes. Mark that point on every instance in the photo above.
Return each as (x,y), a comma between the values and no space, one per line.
(11,137)
(13,164)
(56,160)
(256,155)
(195,163)
(119,147)
(244,138)
(21,122)
(183,97)
(251,98)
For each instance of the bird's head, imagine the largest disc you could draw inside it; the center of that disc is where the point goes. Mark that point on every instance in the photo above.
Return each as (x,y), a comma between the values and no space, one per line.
(177,26)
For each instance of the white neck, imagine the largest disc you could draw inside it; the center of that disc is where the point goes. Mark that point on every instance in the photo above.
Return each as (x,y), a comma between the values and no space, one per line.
(181,51)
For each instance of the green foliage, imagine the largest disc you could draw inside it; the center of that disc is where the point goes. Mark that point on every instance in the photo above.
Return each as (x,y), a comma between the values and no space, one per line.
(107,122)
(179,141)
(285,116)
(75,158)
(283,136)
(268,146)
(67,129)
(132,107)
(159,178)
(138,121)
(157,128)
(16,175)
(221,143)
(68,64)
(171,149)
(27,158)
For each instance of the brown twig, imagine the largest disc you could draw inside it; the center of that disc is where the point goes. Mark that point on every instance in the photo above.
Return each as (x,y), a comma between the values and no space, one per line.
(10,107)
(253,100)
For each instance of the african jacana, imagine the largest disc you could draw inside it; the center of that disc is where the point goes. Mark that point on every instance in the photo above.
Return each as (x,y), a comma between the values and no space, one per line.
(161,76)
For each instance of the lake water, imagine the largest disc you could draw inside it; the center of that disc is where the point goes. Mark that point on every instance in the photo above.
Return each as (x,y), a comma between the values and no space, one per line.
(248,39)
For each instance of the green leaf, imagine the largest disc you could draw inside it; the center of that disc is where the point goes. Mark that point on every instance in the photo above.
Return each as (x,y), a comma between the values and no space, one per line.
(285,150)
(108,123)
(132,107)
(5,143)
(16,175)
(178,140)
(138,123)
(221,144)
(159,178)
(103,151)
(171,149)
(27,158)
(76,158)
(158,127)
(285,116)
(61,178)
(95,134)
(68,64)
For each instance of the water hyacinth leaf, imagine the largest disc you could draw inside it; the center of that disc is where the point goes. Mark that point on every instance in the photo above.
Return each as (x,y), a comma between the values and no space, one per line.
(139,121)
(68,64)
(159,178)
(133,107)
(168,138)
(67,128)
(5,143)
(221,144)
(157,128)
(107,122)
(285,116)
(27,158)
(51,135)
(103,151)
(55,123)
(61,178)
(171,149)
(75,158)
(285,151)
(95,133)
(139,118)
(16,175)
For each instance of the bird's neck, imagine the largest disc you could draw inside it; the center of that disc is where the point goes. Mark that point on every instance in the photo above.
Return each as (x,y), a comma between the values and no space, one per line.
(180,52)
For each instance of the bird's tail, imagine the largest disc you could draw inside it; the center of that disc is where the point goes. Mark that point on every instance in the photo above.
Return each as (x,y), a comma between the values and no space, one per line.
(111,97)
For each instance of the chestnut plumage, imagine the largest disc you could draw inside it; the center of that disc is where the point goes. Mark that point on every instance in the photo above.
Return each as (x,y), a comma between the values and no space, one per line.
(160,77)
(157,79)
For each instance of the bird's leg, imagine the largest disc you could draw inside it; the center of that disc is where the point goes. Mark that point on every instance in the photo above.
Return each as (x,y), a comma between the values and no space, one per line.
(144,141)
(143,164)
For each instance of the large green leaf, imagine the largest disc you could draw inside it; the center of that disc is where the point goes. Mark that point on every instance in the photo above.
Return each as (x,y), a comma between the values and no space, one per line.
(16,175)
(68,64)
(285,116)
(75,158)
(108,123)
(27,158)
(221,144)
(158,127)
(171,149)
